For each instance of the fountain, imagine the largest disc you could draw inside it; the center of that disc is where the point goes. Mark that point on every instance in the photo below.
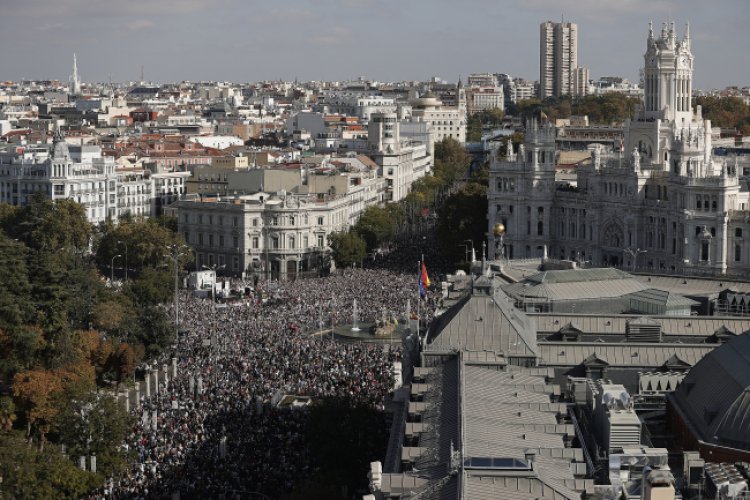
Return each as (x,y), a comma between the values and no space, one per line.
(355,317)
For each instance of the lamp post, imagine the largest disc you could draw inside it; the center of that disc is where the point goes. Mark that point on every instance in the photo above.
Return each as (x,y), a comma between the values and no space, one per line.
(112,268)
(499,231)
(177,251)
(471,242)
(213,268)
(126,257)
(634,253)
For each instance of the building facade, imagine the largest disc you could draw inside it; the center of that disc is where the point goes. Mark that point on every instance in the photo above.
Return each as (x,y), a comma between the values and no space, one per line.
(76,172)
(661,203)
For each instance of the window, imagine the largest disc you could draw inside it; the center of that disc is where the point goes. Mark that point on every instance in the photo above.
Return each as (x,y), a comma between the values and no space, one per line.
(704,251)
(275,242)
(187,237)
(292,242)
(540,228)
(737,253)
(738,232)
(320,241)
(221,240)
(234,221)
(255,242)
(235,242)
(255,222)
(210,240)
(320,223)
(291,220)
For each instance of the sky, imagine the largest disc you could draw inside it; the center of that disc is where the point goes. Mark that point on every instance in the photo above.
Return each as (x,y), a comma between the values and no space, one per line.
(383,40)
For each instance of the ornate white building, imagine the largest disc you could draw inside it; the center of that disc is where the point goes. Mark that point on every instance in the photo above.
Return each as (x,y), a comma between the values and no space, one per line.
(664,204)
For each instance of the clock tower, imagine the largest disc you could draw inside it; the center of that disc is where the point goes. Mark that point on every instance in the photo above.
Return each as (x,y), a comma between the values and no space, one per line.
(668,76)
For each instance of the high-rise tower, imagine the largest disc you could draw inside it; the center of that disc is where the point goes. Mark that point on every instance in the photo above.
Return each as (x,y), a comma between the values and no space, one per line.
(558,58)
(74,79)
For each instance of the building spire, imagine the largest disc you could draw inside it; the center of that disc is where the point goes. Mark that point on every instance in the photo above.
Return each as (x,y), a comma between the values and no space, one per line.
(686,38)
(650,31)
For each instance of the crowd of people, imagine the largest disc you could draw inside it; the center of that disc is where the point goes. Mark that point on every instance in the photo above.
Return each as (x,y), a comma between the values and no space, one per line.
(212,429)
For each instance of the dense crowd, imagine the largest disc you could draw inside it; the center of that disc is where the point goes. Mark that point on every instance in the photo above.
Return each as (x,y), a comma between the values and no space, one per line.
(214,430)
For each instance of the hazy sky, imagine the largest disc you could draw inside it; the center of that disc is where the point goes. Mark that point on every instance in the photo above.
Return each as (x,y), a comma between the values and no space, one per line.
(386,40)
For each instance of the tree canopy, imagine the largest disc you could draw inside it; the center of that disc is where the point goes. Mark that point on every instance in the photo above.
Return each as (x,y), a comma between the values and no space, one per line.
(725,112)
(348,248)
(604,109)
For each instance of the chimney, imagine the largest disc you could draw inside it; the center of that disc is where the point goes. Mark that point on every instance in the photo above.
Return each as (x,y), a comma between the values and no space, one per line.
(530,455)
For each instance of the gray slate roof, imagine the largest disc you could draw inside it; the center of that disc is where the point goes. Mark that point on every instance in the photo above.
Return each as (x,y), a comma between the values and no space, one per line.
(715,395)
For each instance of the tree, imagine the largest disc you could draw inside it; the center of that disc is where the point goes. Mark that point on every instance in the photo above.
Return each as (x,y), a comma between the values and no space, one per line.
(725,112)
(34,390)
(377,225)
(7,414)
(44,475)
(348,248)
(15,294)
(463,216)
(451,161)
(91,423)
(52,226)
(144,241)
(153,286)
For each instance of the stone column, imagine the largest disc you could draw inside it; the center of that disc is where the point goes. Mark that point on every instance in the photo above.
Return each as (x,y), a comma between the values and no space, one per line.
(174,368)
(148,383)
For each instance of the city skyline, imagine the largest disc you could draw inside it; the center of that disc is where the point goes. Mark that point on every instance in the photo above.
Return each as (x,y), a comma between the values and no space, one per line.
(176,40)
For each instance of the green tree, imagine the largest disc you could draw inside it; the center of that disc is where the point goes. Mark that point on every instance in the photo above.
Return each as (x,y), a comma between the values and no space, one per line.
(348,248)
(48,226)
(15,294)
(724,112)
(44,475)
(93,423)
(153,286)
(463,216)
(451,161)
(143,242)
(377,225)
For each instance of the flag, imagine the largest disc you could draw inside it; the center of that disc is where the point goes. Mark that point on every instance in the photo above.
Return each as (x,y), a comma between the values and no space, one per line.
(425,278)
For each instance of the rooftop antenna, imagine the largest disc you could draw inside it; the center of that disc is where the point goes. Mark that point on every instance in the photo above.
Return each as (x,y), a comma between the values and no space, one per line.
(142,80)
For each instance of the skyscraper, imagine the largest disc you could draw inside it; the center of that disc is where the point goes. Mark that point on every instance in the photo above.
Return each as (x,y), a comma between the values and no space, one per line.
(558,58)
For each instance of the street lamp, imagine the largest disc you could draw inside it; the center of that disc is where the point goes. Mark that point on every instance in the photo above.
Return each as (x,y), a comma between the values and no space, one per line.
(177,251)
(499,231)
(634,253)
(112,268)
(126,257)
(471,242)
(213,268)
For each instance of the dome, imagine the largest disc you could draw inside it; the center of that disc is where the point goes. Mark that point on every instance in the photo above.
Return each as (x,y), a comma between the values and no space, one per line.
(715,395)
(428,101)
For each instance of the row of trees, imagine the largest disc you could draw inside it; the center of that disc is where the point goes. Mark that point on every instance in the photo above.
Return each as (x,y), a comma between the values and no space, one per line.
(602,109)
(65,332)
(726,112)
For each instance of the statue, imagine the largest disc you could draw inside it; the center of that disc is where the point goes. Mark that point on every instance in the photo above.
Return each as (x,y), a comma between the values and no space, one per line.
(636,159)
